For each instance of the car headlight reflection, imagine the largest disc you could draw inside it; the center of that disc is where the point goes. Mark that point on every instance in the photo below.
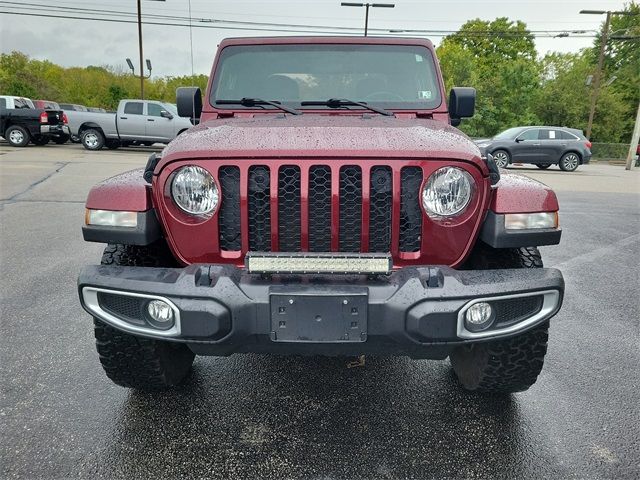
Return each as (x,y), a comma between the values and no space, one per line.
(194,191)
(447,192)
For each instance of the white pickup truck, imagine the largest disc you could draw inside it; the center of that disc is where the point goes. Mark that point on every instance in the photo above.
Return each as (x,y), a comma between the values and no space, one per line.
(136,122)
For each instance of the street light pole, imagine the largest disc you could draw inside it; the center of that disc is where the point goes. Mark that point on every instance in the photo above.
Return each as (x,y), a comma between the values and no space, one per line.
(366,14)
(140,49)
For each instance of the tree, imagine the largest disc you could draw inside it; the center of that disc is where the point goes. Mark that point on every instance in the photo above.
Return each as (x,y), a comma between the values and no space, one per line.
(498,58)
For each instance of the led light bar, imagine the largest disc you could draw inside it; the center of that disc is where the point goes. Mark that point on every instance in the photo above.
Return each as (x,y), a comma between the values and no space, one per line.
(259,262)
(109,218)
(524,221)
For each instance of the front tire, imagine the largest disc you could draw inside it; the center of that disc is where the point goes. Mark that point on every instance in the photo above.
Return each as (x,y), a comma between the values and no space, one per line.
(508,365)
(569,162)
(92,139)
(137,362)
(17,136)
(502,158)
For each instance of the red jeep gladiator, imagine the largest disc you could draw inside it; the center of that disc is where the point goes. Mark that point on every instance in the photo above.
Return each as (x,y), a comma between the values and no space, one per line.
(324,205)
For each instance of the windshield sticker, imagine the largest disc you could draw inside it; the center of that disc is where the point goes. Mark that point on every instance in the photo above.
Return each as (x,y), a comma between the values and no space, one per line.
(419,58)
(424,94)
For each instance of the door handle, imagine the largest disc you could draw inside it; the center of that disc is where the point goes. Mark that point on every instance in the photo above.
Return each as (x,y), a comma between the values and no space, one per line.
(123,118)
(150,120)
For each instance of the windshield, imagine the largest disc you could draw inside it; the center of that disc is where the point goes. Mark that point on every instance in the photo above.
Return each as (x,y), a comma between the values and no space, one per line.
(388,76)
(509,133)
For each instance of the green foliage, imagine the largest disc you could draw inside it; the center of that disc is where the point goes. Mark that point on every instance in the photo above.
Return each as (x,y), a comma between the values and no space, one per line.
(498,58)
(94,86)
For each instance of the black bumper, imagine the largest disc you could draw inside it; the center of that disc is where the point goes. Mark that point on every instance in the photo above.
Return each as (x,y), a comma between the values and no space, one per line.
(418,312)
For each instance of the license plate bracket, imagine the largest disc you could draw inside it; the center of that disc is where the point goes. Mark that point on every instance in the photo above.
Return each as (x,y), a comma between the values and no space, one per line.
(319,318)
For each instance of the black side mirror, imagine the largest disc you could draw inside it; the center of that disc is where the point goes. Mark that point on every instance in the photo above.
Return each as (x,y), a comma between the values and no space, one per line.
(189,101)
(462,104)
(165,114)
(518,140)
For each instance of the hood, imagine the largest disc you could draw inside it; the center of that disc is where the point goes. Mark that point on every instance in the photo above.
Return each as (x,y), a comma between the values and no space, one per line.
(312,135)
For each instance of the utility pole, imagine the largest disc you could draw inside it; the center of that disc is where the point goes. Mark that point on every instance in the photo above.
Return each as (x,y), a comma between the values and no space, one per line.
(633,148)
(597,78)
(366,14)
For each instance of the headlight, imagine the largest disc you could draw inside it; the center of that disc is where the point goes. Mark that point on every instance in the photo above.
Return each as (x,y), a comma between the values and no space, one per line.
(447,192)
(194,191)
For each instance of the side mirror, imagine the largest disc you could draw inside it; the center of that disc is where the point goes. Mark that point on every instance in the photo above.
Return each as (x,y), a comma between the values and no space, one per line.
(189,101)
(165,114)
(518,140)
(462,104)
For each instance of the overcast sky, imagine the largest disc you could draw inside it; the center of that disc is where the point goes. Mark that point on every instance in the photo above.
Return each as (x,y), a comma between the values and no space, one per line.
(72,42)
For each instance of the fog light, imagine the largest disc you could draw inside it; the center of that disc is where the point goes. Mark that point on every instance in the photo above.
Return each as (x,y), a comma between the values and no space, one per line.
(160,314)
(478,317)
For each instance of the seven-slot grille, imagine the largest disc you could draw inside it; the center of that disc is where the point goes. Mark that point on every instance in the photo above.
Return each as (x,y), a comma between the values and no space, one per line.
(284,201)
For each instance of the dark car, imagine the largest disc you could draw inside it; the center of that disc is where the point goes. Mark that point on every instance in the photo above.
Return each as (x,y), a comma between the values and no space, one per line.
(541,146)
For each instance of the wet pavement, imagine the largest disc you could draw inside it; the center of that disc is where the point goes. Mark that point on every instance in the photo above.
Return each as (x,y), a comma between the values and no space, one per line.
(294,417)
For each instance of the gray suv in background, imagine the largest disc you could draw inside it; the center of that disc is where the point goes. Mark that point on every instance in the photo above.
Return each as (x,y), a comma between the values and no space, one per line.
(541,146)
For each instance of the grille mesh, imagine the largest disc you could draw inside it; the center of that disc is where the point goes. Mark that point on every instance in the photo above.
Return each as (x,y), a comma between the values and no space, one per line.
(130,308)
(513,310)
(259,209)
(229,217)
(289,208)
(320,209)
(381,195)
(350,208)
(410,212)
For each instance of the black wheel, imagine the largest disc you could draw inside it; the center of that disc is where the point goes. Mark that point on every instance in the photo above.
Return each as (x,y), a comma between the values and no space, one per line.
(512,364)
(17,136)
(502,158)
(569,162)
(61,139)
(543,166)
(132,361)
(92,139)
(40,140)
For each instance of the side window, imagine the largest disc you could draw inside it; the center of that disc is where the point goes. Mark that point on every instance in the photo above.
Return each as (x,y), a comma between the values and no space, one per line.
(154,109)
(566,135)
(3,103)
(549,134)
(529,134)
(133,108)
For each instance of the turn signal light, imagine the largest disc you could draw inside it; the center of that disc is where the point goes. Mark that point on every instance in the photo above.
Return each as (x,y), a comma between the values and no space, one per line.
(44,118)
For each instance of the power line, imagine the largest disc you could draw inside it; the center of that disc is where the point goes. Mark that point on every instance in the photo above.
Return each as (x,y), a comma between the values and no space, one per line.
(258,26)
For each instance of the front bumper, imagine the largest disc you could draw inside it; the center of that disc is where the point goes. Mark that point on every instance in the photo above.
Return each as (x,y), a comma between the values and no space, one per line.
(419,312)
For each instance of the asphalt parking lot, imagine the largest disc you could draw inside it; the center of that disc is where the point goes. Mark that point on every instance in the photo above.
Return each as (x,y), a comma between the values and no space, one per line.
(274,417)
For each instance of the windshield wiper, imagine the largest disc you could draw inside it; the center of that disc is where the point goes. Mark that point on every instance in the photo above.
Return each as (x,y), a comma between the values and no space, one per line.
(253,102)
(343,102)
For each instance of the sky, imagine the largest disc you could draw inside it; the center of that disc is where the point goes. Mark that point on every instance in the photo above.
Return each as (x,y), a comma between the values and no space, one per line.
(73,42)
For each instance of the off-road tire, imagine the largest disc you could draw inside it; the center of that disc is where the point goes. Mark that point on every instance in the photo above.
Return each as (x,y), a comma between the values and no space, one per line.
(543,166)
(92,139)
(25,136)
(40,140)
(502,366)
(132,361)
(508,365)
